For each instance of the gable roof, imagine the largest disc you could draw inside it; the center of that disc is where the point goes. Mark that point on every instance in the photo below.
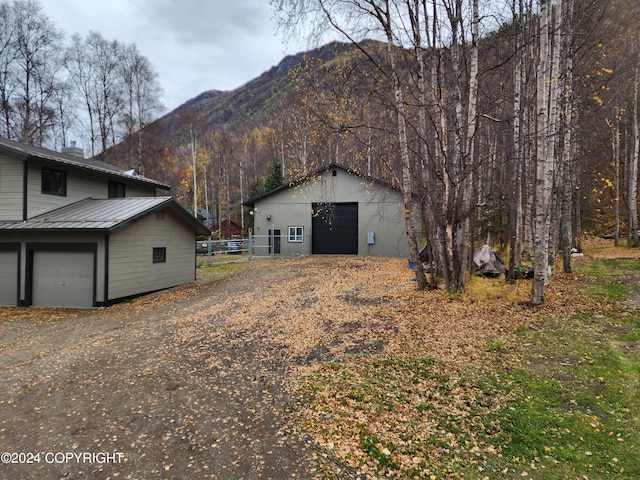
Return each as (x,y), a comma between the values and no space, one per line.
(29,152)
(332,166)
(103,215)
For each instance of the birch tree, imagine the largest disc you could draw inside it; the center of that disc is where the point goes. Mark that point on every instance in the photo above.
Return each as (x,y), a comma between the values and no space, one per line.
(141,100)
(633,171)
(350,18)
(37,43)
(555,145)
(544,159)
(446,108)
(515,220)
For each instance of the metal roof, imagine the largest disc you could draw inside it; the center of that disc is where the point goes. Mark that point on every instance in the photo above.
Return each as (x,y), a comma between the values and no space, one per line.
(26,152)
(102,214)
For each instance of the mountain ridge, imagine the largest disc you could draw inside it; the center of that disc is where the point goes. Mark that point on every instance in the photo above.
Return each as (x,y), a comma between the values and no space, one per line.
(248,100)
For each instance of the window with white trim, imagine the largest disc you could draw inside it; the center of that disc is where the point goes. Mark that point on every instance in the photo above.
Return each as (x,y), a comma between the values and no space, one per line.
(296,234)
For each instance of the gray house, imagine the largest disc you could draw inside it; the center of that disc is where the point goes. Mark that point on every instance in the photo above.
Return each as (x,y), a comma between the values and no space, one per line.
(333,210)
(83,233)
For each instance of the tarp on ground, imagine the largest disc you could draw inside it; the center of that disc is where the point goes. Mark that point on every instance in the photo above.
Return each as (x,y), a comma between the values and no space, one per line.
(487,262)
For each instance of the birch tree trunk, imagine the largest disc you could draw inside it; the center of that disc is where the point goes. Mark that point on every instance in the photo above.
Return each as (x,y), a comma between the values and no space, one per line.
(615,143)
(544,163)
(515,220)
(384,16)
(469,154)
(633,174)
(428,176)
(568,146)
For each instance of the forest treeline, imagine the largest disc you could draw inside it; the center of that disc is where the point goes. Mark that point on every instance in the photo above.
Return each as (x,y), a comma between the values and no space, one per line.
(56,90)
(493,109)
(510,122)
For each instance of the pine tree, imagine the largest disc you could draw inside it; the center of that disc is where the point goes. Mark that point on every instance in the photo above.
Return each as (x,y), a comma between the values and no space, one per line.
(274,176)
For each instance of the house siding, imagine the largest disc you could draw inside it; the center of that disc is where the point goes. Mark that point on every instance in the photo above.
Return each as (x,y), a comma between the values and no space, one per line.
(79,187)
(109,241)
(51,241)
(11,185)
(131,267)
(380,210)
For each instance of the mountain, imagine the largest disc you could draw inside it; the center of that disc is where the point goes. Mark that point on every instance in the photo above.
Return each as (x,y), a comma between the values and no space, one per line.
(254,101)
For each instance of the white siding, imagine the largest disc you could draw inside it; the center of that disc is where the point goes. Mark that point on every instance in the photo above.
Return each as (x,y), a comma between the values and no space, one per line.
(131,267)
(10,188)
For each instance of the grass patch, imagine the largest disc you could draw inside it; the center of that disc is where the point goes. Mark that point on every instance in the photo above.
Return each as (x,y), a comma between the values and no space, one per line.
(578,393)
(405,417)
(211,272)
(567,409)
(605,277)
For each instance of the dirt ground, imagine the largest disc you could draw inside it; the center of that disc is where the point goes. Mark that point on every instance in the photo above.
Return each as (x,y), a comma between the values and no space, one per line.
(194,382)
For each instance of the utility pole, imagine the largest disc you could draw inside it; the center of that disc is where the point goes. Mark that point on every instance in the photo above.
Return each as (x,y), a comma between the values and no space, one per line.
(195,180)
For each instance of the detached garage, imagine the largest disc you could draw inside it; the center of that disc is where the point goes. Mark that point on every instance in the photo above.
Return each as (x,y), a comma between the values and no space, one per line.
(331,211)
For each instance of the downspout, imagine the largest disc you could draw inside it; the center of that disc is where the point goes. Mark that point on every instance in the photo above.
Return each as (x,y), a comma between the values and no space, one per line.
(105,300)
(25,196)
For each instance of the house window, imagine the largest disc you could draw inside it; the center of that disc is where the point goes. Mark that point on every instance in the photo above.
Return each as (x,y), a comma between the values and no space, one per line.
(116,190)
(54,182)
(296,234)
(159,255)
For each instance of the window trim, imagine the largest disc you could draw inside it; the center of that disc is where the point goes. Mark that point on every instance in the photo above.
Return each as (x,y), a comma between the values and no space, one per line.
(293,236)
(159,255)
(58,178)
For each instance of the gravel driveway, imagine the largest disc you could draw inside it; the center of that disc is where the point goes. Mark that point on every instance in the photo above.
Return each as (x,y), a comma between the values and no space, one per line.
(197,382)
(194,382)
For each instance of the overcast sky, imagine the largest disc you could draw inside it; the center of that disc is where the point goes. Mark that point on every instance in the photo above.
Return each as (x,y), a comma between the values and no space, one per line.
(194,45)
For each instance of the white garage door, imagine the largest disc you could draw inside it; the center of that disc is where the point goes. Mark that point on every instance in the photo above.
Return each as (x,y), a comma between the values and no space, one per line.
(63,279)
(9,278)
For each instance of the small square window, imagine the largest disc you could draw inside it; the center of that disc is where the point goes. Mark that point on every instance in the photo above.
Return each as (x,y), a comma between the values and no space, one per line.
(54,182)
(296,234)
(116,190)
(159,255)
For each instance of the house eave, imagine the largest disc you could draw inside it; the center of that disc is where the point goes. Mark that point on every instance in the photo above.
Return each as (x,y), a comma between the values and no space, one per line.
(251,201)
(30,153)
(93,218)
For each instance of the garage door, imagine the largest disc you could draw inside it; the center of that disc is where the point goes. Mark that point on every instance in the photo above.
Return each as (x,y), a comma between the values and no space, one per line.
(63,279)
(334,228)
(8,278)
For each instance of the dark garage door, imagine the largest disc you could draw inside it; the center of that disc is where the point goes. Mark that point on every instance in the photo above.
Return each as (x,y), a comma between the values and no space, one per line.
(334,228)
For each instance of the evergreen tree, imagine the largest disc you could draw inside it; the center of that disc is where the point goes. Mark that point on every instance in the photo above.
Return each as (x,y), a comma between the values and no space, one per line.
(274,176)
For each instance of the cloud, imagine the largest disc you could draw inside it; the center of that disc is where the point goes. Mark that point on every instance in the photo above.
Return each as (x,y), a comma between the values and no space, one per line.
(221,22)
(194,45)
